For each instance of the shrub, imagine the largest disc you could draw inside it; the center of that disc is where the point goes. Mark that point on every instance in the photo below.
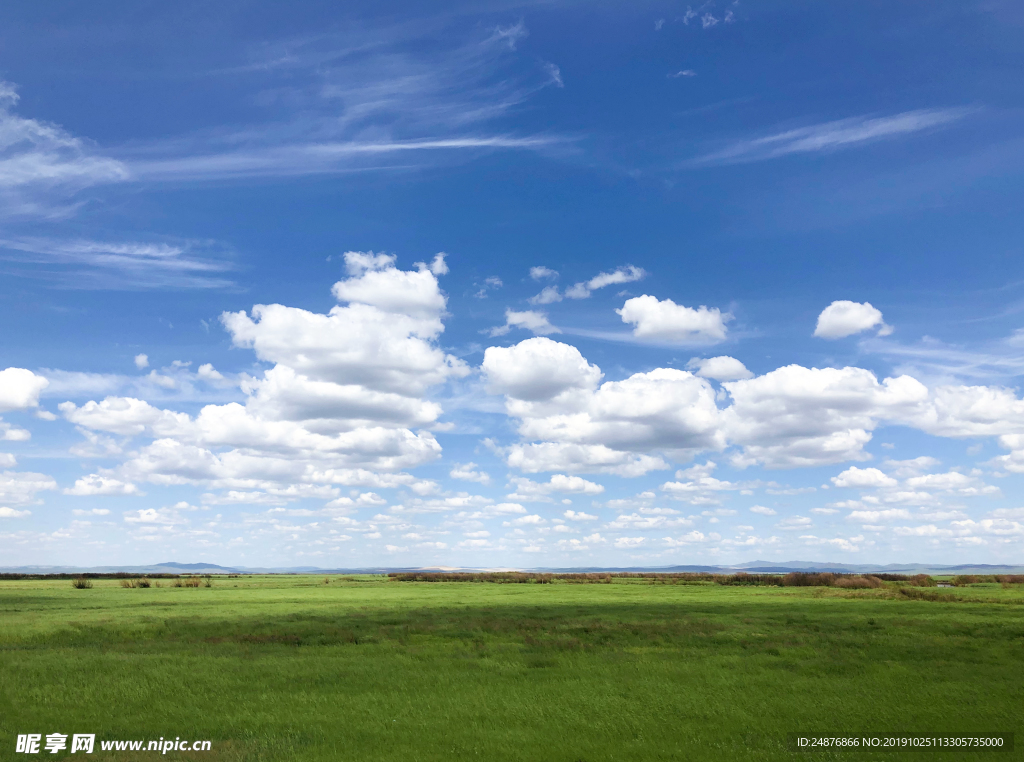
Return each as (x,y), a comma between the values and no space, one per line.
(81,583)
(208,581)
(128,583)
(857,583)
(966,579)
(922,580)
(143,582)
(921,595)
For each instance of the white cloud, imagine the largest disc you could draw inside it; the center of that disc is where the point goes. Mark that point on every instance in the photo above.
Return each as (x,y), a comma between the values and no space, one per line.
(640,522)
(94,484)
(763,510)
(548,295)
(122,265)
(948,481)
(526,489)
(687,539)
(437,265)
(208,373)
(875,517)
(699,484)
(42,165)
(384,339)
(863,477)
(338,406)
(719,368)
(579,516)
(845,318)
(20,388)
(790,417)
(796,416)
(629,542)
(626,274)
(538,369)
(141,361)
(465,472)
(794,522)
(850,545)
(10,513)
(363,98)
(670,322)
(532,519)
(831,136)
(543,273)
(683,73)
(537,322)
(20,487)
(912,467)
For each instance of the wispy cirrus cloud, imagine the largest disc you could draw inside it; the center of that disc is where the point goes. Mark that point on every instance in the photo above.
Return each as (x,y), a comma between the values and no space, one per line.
(320,158)
(389,98)
(832,136)
(42,165)
(383,99)
(130,265)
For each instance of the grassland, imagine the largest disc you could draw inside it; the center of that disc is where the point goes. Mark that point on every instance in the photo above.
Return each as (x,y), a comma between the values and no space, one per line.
(291,668)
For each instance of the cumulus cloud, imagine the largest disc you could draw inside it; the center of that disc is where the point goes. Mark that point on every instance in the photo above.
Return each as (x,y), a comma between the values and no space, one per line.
(796,416)
(667,321)
(791,417)
(579,516)
(629,542)
(11,513)
(527,490)
(863,477)
(844,318)
(467,472)
(338,406)
(626,274)
(763,510)
(876,517)
(719,368)
(141,361)
(609,428)
(537,322)
(697,486)
(549,295)
(94,484)
(21,487)
(538,369)
(19,389)
(689,538)
(384,339)
(543,273)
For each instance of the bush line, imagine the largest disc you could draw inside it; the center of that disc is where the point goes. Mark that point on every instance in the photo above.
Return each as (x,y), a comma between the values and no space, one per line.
(793,579)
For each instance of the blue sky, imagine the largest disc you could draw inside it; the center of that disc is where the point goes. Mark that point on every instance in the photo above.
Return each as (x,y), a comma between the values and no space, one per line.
(499,284)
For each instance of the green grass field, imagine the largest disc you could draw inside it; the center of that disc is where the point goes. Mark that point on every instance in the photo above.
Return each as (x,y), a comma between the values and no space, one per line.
(290,668)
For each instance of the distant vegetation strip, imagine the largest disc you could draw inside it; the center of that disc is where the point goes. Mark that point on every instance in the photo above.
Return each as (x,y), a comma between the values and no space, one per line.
(792,579)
